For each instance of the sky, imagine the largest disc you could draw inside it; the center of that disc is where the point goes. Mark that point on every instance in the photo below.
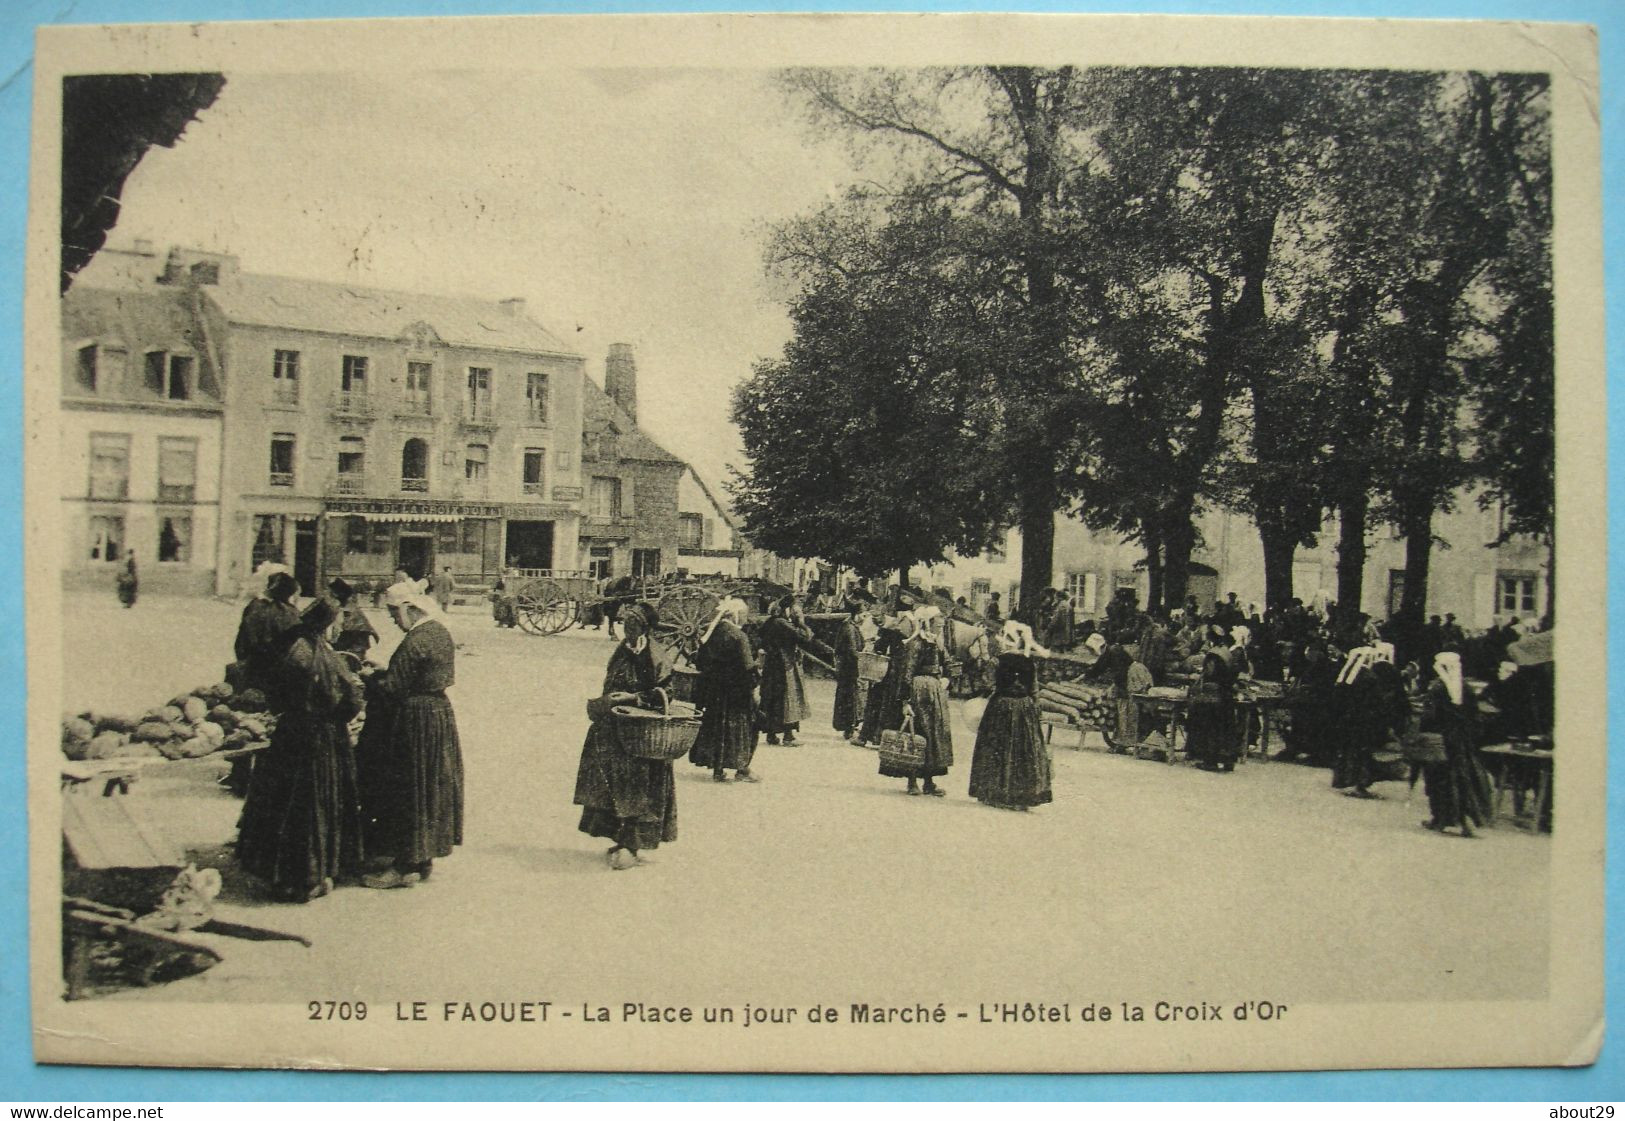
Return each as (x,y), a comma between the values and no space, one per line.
(623,205)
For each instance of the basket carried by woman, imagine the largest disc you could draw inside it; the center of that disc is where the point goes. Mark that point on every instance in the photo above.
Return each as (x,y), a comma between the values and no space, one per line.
(872,667)
(664,736)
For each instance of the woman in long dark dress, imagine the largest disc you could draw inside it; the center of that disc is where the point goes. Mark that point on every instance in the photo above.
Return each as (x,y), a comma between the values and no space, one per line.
(1458,790)
(1210,729)
(726,692)
(925,699)
(1309,701)
(784,693)
(889,641)
(128,583)
(1356,724)
(300,829)
(848,645)
(410,753)
(624,798)
(1010,766)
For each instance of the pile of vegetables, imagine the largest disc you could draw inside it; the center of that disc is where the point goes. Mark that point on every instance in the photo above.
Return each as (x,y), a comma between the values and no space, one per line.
(1081,703)
(209,719)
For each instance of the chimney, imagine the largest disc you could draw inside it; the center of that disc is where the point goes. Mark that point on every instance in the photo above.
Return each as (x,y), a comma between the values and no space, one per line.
(514,305)
(621,378)
(198,266)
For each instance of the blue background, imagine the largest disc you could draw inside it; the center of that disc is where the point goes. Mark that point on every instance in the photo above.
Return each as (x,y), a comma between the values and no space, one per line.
(21,1080)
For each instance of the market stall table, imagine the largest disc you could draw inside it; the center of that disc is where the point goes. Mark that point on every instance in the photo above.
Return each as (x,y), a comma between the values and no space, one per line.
(1513,765)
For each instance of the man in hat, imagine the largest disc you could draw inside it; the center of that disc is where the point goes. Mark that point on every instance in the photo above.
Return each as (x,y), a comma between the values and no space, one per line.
(442,587)
(266,618)
(993,612)
(1309,701)
(353,633)
(784,694)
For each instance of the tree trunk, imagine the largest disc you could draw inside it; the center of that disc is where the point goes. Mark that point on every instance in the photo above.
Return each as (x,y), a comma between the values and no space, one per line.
(1153,571)
(1417,525)
(1280,546)
(1037,549)
(1178,539)
(1550,618)
(1351,518)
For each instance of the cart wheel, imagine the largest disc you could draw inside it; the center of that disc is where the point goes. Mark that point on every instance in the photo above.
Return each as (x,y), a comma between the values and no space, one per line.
(556,609)
(684,613)
(529,605)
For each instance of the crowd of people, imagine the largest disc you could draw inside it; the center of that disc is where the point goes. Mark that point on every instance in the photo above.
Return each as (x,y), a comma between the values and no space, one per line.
(323,808)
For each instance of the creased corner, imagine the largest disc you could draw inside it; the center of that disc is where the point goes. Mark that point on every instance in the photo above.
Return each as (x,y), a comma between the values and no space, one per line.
(1588,1047)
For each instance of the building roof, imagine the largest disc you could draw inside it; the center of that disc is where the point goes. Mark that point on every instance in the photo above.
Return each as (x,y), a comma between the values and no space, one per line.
(710,495)
(255,299)
(599,411)
(142,320)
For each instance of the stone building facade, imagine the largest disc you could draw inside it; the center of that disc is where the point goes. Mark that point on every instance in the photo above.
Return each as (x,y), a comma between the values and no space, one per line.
(629,520)
(140,430)
(1481,583)
(707,540)
(368,431)
(215,420)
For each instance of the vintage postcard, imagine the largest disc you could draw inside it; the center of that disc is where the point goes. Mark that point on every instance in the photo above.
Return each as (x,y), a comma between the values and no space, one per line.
(816,543)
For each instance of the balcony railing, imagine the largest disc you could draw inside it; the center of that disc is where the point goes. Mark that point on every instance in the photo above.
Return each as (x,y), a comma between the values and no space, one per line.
(282,478)
(176,492)
(285,393)
(412,406)
(478,414)
(352,403)
(415,486)
(533,488)
(350,482)
(116,490)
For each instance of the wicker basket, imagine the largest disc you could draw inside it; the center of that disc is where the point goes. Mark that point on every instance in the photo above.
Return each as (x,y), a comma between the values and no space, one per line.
(872,667)
(902,748)
(663,736)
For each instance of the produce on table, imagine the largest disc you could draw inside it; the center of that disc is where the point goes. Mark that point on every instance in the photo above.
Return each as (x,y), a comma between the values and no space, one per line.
(208,719)
(1079,702)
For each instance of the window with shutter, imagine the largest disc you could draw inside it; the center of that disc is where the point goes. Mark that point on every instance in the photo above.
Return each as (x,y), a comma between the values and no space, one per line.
(86,369)
(109,465)
(177,469)
(690,531)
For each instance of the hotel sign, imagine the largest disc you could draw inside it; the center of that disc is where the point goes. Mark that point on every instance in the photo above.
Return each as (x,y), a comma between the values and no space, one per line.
(410,508)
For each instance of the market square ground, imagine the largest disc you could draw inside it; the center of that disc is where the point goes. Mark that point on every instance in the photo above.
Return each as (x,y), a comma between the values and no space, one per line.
(824,883)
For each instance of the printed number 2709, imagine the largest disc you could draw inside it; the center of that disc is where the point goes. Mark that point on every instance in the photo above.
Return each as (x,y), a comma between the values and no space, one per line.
(338,1010)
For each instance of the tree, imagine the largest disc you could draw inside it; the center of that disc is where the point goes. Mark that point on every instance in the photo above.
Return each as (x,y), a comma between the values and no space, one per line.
(1202,166)
(108,123)
(1513,388)
(868,439)
(1460,225)
(992,148)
